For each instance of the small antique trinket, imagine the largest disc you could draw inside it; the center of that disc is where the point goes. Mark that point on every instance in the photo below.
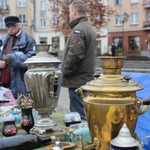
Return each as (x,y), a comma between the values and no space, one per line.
(9,128)
(57,145)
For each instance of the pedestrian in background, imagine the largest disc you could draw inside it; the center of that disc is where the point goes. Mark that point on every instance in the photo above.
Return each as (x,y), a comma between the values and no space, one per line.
(16,48)
(79,55)
(113,49)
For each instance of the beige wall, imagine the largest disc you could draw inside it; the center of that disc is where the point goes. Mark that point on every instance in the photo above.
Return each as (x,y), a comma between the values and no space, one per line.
(128,8)
(14,10)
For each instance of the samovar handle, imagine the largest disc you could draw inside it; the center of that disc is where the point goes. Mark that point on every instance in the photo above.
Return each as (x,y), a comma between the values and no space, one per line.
(80,91)
(142,144)
(145,102)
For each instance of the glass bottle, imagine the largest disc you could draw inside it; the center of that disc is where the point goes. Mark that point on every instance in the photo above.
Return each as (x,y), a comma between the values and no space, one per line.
(24,142)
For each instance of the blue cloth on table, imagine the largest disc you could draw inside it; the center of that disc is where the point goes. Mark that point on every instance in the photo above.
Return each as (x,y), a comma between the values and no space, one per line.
(143,123)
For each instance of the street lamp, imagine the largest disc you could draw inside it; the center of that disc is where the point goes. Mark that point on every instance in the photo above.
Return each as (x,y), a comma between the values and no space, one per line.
(124,18)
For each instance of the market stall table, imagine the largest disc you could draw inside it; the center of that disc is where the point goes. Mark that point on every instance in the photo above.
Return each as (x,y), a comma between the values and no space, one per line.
(58,117)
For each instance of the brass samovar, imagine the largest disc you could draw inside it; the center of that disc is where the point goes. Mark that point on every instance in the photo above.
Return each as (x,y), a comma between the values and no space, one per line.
(111,102)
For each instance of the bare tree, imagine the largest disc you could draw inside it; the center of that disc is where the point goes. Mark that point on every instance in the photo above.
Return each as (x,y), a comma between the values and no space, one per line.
(97,13)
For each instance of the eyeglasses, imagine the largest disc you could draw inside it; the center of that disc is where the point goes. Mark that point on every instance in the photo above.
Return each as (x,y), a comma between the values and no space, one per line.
(11,26)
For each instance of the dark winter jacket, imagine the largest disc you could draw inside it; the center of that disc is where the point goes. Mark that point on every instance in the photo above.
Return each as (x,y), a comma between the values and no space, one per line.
(78,64)
(23,49)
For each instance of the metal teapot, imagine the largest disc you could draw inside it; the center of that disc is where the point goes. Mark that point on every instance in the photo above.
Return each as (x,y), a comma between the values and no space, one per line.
(124,141)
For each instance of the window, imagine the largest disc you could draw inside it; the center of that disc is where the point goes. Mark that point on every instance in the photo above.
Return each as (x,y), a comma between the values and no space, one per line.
(42,5)
(98,47)
(54,18)
(118,19)
(100,1)
(148,16)
(134,43)
(134,1)
(55,4)
(118,2)
(134,18)
(55,7)
(118,43)
(2,23)
(43,39)
(21,3)
(22,18)
(98,17)
(43,22)
(55,44)
(3,3)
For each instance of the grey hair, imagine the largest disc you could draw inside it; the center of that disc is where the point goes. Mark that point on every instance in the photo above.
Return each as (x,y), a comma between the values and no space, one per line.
(79,6)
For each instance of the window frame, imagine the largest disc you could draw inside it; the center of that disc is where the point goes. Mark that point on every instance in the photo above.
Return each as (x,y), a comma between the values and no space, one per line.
(135,39)
(118,20)
(134,18)
(100,1)
(22,18)
(2,22)
(42,5)
(21,3)
(134,1)
(56,42)
(43,22)
(3,3)
(118,2)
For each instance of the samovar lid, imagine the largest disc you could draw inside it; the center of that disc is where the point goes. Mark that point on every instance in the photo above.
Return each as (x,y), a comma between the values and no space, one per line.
(43,55)
(111,79)
(124,138)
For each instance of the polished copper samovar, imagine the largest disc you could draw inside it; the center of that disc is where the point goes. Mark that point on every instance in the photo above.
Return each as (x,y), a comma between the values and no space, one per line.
(111,102)
(43,79)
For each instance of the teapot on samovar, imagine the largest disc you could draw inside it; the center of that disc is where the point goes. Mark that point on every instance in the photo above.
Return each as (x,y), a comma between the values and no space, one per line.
(111,102)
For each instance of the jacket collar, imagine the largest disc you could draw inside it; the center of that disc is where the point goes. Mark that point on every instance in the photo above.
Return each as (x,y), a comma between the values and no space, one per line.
(77,20)
(22,39)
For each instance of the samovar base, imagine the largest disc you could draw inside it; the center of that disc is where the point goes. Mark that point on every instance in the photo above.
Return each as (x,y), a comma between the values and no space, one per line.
(44,125)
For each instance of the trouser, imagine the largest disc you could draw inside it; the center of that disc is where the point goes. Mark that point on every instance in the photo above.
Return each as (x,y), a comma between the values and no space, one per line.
(76,103)
(113,53)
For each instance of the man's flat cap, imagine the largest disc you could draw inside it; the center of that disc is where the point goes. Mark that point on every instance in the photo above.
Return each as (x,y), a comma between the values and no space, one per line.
(11,20)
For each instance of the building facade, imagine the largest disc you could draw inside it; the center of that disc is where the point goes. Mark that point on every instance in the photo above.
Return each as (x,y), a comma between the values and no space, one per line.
(46,17)
(129,27)
(37,18)
(21,8)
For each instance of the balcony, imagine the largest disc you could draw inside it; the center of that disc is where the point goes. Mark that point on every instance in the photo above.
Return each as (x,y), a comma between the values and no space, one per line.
(146,3)
(146,25)
(4,9)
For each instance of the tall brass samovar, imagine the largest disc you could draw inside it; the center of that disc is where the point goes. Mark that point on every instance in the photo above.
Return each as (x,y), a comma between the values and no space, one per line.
(43,79)
(111,102)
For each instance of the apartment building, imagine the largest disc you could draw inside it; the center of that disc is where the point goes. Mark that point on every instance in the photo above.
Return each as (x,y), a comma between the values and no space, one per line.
(45,18)
(37,19)
(129,27)
(21,8)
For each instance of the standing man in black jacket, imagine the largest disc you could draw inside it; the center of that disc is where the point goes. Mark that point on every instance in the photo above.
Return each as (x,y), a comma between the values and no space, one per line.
(113,49)
(79,55)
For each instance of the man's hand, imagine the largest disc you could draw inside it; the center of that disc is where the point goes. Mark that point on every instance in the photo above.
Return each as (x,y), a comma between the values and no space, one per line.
(5,57)
(2,64)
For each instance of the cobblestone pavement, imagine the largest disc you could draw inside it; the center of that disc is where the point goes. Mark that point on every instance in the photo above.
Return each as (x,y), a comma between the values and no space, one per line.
(63,101)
